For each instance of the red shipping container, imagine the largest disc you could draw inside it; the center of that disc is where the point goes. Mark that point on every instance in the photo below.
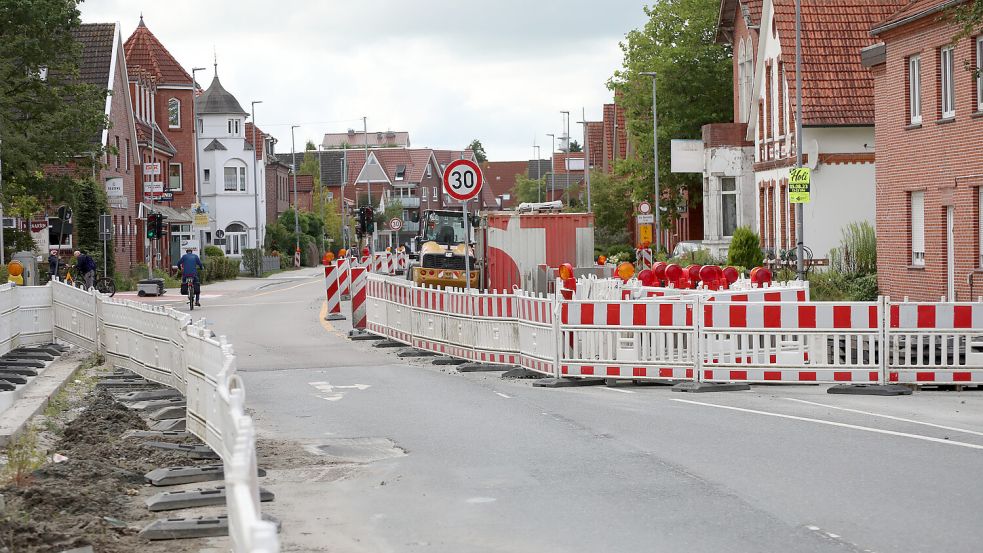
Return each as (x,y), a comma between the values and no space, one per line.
(517,244)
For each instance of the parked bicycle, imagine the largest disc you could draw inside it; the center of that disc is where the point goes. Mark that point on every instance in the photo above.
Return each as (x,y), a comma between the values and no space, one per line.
(103,284)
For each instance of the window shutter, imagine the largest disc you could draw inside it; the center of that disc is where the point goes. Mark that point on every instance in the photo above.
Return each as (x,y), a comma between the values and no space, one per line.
(918,228)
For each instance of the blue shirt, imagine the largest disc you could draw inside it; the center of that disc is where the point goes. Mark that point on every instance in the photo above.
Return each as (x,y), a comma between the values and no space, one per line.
(189,264)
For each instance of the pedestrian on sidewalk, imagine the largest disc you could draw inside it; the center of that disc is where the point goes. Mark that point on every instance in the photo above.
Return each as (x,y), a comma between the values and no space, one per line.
(53,263)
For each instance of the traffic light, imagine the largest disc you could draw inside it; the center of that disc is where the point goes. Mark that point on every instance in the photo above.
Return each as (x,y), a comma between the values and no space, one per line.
(369,220)
(153,220)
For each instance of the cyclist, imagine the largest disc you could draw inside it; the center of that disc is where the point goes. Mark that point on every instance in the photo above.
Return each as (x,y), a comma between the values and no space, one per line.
(189,265)
(86,266)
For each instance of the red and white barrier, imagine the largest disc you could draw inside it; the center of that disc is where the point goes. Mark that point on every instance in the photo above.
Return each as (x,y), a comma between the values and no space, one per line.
(333,292)
(645,258)
(937,343)
(359,281)
(344,277)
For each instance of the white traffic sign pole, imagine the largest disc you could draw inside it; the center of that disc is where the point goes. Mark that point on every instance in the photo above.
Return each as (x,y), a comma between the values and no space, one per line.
(466,177)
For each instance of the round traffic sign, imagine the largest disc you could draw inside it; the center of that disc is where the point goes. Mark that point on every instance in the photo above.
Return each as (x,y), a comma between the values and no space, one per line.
(462,180)
(395,223)
(644,207)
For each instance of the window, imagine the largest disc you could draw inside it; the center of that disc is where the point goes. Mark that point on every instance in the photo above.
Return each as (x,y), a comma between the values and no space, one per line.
(430,167)
(127,154)
(979,219)
(728,205)
(234,127)
(400,172)
(208,175)
(947,86)
(915,89)
(434,192)
(201,126)
(174,182)
(174,113)
(918,229)
(979,73)
(117,153)
(235,177)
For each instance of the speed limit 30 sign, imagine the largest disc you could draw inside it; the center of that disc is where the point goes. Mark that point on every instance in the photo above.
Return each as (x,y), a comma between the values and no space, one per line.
(462,180)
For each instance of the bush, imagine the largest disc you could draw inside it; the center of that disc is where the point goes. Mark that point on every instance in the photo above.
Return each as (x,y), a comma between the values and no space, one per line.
(220,268)
(620,253)
(864,288)
(745,249)
(858,250)
(214,251)
(697,257)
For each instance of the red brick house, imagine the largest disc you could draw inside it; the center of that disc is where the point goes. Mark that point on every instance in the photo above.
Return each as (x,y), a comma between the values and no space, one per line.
(614,136)
(104,64)
(500,177)
(929,133)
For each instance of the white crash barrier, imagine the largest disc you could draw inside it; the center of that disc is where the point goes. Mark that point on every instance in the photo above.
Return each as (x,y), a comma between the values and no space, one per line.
(164,346)
(769,335)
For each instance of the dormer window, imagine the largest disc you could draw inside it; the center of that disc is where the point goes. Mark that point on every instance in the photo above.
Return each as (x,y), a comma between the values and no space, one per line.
(429,170)
(400,172)
(234,127)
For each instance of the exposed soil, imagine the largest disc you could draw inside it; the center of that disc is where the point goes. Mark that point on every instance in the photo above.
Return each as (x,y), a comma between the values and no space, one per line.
(93,498)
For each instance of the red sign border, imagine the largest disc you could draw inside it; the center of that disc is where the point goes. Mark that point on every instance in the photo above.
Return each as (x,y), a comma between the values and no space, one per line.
(400,224)
(477,170)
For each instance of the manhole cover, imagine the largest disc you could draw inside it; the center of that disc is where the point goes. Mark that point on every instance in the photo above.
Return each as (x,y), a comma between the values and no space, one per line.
(359,450)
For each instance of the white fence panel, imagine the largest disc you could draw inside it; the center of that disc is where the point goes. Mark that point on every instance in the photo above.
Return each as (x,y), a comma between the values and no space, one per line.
(537,332)
(35,315)
(75,315)
(935,343)
(9,327)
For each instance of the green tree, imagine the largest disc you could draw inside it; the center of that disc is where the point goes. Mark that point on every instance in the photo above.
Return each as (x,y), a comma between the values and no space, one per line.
(89,203)
(46,115)
(479,150)
(611,200)
(575,146)
(528,190)
(970,17)
(694,88)
(745,249)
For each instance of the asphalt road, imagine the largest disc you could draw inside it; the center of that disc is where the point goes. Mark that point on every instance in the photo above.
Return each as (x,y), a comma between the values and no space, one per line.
(380,454)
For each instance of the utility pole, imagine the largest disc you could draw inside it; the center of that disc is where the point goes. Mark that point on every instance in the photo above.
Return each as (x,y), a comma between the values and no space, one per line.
(256,160)
(552,168)
(799,232)
(153,161)
(655,155)
(583,121)
(365,136)
(194,130)
(320,193)
(293,169)
(539,188)
(344,208)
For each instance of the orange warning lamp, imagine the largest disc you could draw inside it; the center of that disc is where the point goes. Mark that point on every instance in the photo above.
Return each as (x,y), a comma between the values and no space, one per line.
(601,260)
(625,271)
(342,252)
(566,271)
(15,268)
(329,256)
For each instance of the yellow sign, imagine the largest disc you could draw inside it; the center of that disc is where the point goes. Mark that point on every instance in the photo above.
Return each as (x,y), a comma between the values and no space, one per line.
(201,219)
(799,184)
(644,235)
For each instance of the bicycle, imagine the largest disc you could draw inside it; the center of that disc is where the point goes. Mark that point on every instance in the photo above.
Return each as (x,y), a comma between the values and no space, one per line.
(103,285)
(188,283)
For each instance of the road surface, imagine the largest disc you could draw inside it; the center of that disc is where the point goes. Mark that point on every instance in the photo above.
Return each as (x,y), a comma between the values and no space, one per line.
(377,454)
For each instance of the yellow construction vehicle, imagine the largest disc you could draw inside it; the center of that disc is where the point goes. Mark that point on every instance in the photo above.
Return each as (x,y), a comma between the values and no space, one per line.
(442,249)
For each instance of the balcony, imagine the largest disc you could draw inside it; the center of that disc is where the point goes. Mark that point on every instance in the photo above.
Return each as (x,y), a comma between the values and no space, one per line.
(406,202)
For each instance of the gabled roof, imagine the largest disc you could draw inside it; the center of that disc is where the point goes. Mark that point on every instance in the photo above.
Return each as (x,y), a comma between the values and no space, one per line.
(96,40)
(260,137)
(143,50)
(913,11)
(215,145)
(836,90)
(216,100)
(750,10)
(156,138)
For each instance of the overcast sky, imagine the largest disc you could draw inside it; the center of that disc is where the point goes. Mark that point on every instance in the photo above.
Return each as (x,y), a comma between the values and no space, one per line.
(446,71)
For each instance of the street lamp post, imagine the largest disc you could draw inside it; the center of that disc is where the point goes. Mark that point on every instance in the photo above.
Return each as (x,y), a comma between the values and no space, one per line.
(539,188)
(320,183)
(293,169)
(583,121)
(259,253)
(655,155)
(799,231)
(552,167)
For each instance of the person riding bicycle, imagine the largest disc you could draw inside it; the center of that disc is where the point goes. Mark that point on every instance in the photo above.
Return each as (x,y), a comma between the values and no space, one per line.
(189,265)
(86,266)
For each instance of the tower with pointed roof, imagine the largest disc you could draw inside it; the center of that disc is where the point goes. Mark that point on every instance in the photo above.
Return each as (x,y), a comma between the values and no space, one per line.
(162,94)
(230,170)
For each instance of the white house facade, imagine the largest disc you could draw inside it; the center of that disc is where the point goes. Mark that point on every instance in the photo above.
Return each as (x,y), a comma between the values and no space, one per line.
(229,173)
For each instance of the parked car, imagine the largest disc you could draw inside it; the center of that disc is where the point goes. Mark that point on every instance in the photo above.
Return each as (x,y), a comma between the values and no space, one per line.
(688,246)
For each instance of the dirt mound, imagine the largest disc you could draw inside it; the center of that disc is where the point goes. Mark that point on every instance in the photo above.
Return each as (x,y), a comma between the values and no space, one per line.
(104,419)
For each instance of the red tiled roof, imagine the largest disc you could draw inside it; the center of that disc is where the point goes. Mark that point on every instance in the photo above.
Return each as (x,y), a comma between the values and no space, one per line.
(728,11)
(499,177)
(305,183)
(595,142)
(915,9)
(560,159)
(260,137)
(837,89)
(145,51)
(154,137)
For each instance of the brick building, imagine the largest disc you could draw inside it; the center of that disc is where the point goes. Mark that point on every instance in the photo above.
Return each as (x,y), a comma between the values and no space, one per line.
(614,136)
(929,133)
(162,95)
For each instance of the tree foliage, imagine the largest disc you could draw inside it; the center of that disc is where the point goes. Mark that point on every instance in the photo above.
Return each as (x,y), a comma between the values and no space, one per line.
(575,146)
(90,202)
(745,249)
(479,151)
(969,16)
(611,200)
(46,115)
(694,86)
(527,190)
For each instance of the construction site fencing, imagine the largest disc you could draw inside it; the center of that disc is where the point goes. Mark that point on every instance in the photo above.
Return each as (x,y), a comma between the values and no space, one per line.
(165,346)
(772,335)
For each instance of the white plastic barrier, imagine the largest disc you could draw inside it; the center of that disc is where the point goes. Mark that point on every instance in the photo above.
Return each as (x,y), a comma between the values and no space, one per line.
(35,314)
(163,346)
(9,314)
(538,327)
(935,343)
